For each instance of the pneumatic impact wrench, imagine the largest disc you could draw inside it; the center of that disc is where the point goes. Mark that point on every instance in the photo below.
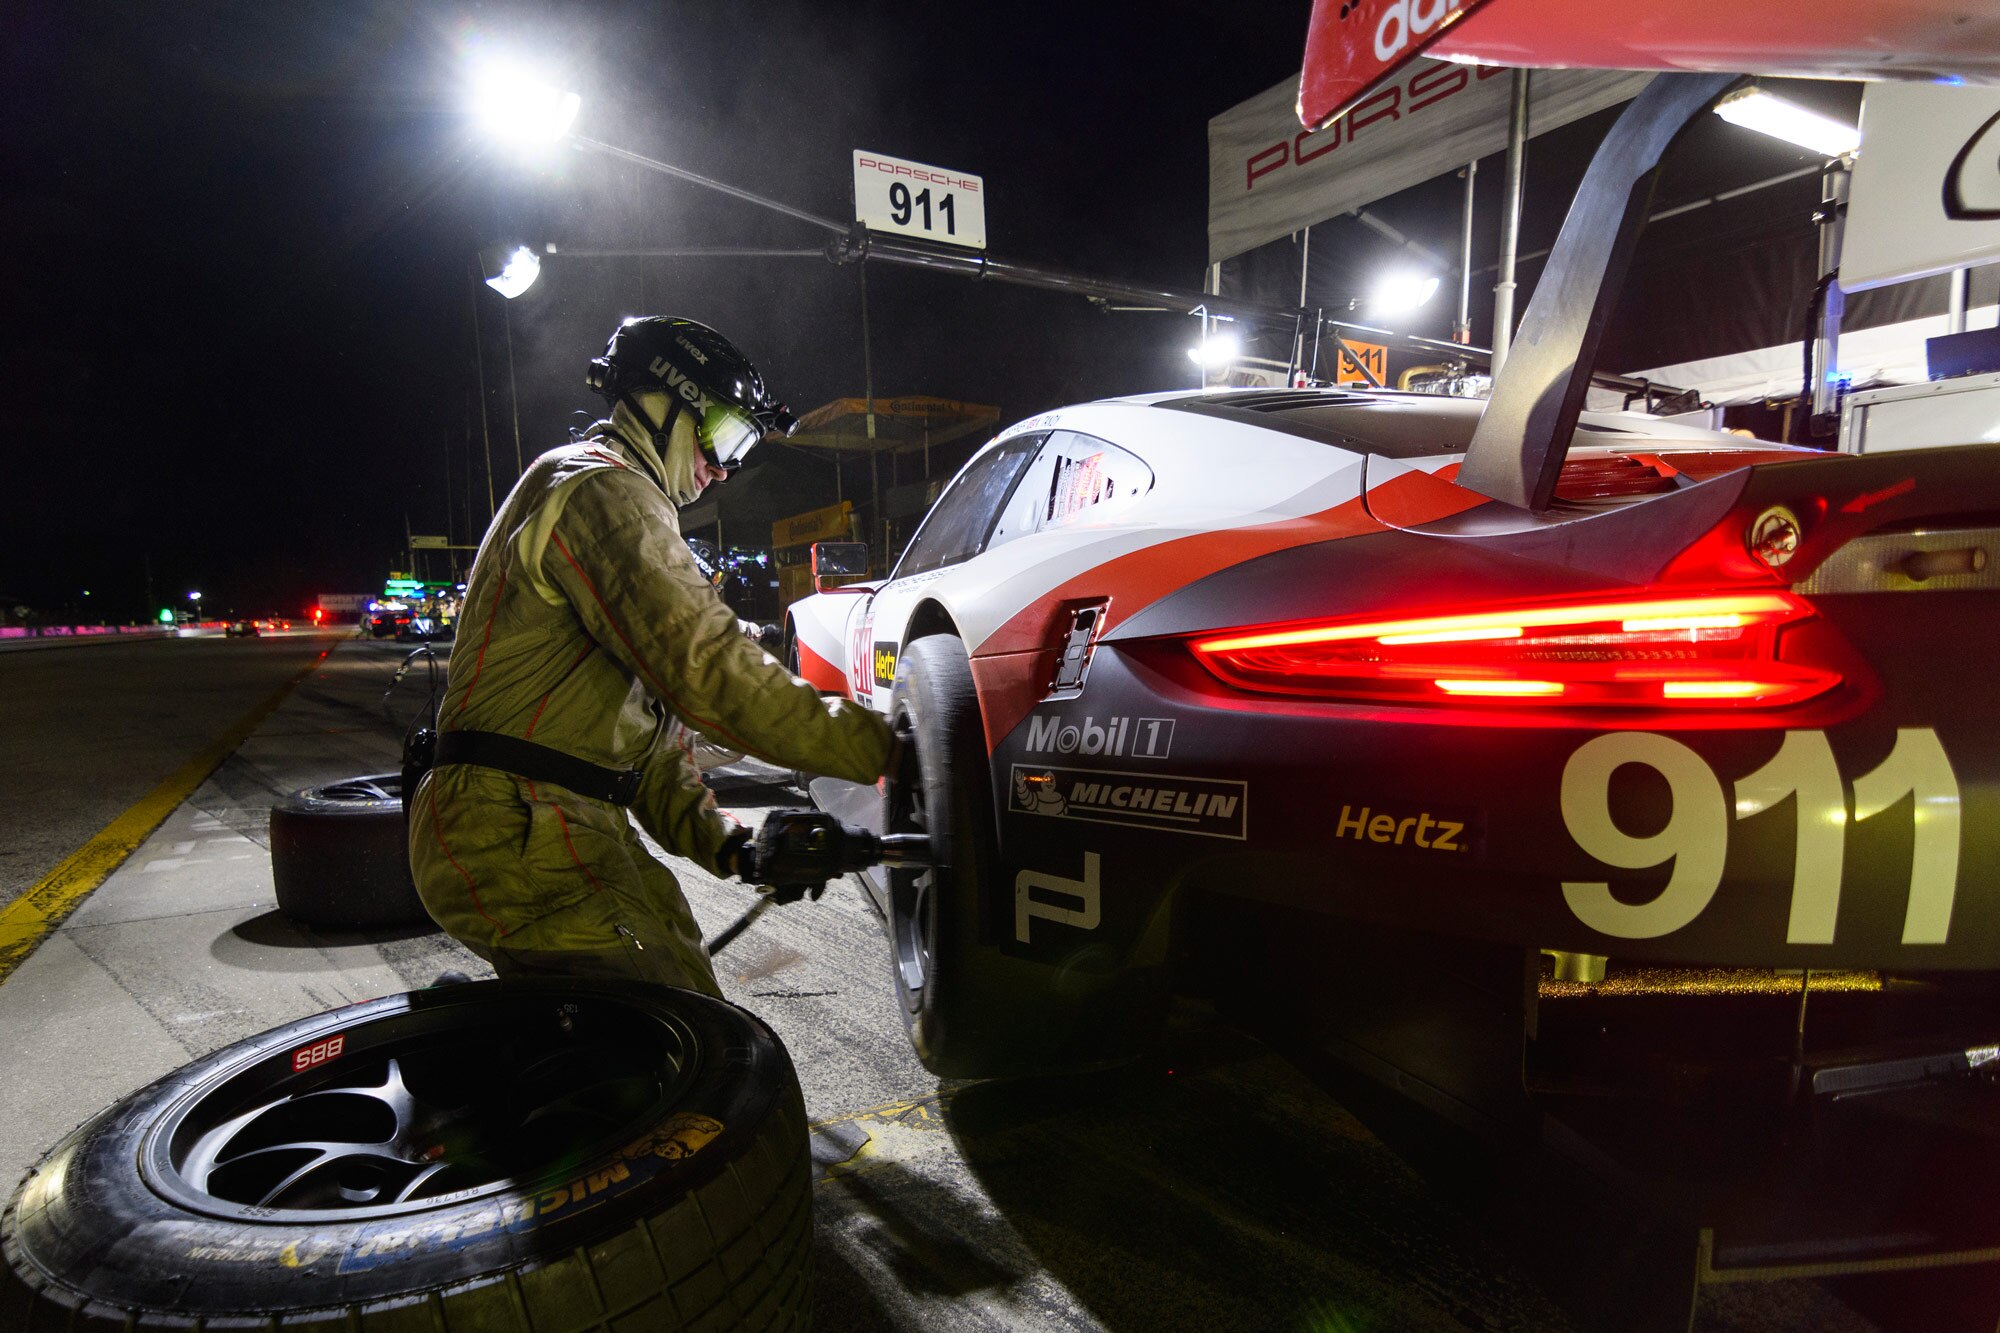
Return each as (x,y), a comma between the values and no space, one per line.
(796,852)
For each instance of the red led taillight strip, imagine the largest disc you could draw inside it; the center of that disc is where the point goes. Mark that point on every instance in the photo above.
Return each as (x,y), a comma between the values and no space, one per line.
(1715,650)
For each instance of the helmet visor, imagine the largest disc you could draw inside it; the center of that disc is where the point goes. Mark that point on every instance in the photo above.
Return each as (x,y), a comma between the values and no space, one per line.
(726,434)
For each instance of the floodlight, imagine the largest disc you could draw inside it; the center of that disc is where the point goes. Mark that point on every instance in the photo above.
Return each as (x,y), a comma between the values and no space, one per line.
(518,107)
(518,270)
(1215,351)
(1400,293)
(1755,109)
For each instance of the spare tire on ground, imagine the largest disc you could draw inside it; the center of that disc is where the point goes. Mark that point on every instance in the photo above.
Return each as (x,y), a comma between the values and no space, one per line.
(340,858)
(511,1157)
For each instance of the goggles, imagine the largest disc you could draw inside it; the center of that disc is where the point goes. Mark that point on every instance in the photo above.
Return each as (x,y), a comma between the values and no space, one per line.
(726,434)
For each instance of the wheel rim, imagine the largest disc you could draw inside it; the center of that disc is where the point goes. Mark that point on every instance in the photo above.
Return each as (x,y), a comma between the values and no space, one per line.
(387,788)
(912,914)
(446,1102)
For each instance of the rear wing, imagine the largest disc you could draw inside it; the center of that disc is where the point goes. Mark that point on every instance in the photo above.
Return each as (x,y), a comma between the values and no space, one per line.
(1353,46)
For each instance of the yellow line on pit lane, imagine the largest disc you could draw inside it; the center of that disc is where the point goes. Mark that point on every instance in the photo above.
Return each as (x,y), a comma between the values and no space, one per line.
(26,921)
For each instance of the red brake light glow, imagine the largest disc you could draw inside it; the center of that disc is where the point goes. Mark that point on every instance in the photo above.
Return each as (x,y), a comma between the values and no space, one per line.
(1700,651)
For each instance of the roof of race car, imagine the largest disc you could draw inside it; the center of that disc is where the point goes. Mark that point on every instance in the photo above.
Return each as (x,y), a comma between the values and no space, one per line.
(1395,424)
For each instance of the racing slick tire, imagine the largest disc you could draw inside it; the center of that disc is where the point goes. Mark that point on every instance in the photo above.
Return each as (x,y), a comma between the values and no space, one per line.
(972,1011)
(340,855)
(558,1157)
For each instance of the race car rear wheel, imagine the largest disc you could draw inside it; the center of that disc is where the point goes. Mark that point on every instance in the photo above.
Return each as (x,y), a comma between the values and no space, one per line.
(504,1156)
(942,790)
(973,1010)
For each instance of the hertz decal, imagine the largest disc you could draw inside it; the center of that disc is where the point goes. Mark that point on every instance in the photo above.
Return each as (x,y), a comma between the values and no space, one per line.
(1418,830)
(885,664)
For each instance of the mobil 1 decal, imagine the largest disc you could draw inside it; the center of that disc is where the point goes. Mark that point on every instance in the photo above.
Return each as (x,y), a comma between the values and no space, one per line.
(1883,833)
(1210,807)
(1113,736)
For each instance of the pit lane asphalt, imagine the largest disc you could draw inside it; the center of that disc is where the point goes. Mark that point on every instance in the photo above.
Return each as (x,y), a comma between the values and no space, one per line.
(86,729)
(1210,1186)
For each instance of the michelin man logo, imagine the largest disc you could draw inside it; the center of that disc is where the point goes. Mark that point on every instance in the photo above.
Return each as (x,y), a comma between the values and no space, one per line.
(1036,793)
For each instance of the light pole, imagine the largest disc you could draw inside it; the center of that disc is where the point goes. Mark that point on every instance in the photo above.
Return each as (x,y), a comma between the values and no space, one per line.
(517,272)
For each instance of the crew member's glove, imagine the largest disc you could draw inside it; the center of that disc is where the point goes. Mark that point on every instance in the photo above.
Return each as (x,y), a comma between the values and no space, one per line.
(768,637)
(796,852)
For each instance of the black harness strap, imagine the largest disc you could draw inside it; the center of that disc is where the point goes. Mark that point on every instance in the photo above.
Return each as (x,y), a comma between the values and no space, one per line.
(539,763)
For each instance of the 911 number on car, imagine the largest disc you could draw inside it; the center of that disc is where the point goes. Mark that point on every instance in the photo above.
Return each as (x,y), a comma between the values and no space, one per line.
(1696,834)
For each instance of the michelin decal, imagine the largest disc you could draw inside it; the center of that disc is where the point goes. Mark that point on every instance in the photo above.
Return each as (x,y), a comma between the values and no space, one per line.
(1209,807)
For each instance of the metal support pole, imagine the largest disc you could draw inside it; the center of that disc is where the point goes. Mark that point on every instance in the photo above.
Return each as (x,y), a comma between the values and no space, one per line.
(1298,325)
(1462,330)
(1825,360)
(479,360)
(1955,319)
(696,178)
(874,464)
(471,531)
(1510,219)
(513,397)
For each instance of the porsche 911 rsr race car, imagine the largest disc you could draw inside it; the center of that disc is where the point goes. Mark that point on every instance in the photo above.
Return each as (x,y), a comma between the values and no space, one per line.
(1192,678)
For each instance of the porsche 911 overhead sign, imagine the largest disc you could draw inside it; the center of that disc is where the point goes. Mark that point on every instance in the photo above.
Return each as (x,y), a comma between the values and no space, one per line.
(1353,45)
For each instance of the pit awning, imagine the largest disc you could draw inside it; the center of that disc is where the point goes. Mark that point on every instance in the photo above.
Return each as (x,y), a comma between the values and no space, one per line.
(902,425)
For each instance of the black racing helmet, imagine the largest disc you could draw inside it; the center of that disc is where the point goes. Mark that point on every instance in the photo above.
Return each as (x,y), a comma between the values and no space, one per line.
(700,371)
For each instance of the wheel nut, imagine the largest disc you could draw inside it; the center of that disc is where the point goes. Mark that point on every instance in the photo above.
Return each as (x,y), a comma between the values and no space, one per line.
(1774,537)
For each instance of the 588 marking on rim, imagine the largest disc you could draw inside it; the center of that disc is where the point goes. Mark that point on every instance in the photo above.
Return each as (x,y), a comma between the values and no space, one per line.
(1696,835)
(318,1053)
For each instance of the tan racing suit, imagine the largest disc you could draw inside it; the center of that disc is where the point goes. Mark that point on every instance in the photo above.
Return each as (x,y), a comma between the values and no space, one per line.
(588,628)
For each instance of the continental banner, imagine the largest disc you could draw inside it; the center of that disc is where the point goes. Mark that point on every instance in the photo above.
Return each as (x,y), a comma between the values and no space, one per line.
(817,525)
(1268,176)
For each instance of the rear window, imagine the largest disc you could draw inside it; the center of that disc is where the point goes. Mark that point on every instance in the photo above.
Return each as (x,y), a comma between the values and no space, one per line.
(1075,478)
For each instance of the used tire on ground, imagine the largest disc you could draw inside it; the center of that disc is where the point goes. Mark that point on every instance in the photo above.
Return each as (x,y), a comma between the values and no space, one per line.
(340,858)
(511,1157)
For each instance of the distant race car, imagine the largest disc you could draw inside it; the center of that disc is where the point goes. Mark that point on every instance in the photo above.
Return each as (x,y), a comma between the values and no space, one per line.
(1194,678)
(386,624)
(241,629)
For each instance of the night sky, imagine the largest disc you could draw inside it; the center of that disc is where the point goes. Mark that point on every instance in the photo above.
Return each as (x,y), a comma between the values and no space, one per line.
(239,241)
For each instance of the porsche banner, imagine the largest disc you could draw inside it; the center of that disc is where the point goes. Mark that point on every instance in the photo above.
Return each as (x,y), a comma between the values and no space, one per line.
(1268,176)
(1353,47)
(1926,192)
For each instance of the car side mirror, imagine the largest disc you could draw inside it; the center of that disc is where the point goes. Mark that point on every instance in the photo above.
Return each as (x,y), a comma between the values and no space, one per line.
(837,560)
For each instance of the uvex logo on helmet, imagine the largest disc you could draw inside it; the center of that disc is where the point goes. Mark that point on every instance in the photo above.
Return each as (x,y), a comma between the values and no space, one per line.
(1400,20)
(692,350)
(680,384)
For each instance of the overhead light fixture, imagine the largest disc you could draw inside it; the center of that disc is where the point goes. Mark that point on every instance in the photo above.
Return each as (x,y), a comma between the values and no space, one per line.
(1766,113)
(521,108)
(1400,293)
(518,271)
(1215,351)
